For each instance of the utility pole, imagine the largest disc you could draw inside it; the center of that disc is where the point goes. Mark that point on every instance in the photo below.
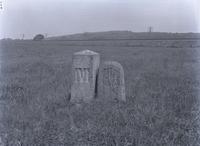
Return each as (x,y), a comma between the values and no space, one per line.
(1,5)
(23,36)
(150,29)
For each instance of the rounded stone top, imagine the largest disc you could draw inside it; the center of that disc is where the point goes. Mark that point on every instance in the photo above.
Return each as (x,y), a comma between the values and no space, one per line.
(113,63)
(86,52)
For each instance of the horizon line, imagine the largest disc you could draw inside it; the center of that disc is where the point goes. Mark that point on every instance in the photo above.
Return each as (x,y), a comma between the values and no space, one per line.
(60,35)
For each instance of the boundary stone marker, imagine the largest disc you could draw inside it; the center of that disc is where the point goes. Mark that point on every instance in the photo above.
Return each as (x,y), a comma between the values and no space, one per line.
(85,67)
(111,82)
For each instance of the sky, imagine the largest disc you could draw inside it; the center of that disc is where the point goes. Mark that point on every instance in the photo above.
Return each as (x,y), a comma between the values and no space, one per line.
(62,17)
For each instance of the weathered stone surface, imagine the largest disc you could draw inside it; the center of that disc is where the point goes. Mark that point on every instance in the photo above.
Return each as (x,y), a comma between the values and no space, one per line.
(111,81)
(84,72)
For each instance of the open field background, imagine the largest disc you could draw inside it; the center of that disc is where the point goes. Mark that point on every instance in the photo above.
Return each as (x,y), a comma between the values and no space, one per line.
(162,88)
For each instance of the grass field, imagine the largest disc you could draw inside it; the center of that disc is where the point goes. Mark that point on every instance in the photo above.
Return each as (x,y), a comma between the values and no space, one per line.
(162,88)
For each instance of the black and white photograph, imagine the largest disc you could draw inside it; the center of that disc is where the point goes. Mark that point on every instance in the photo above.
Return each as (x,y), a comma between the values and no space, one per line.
(99,72)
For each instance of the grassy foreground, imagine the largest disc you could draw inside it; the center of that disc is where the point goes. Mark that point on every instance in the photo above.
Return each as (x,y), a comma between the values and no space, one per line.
(162,105)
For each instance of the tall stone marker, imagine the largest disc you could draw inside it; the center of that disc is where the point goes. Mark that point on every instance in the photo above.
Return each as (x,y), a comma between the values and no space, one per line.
(111,81)
(84,75)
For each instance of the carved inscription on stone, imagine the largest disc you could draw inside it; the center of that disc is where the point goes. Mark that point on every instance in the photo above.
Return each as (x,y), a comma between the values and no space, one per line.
(111,78)
(81,75)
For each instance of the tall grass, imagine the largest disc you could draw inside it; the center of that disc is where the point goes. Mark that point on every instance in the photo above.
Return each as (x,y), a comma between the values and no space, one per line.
(162,105)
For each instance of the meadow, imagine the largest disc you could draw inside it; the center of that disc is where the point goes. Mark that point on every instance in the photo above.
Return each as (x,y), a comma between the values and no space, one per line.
(162,86)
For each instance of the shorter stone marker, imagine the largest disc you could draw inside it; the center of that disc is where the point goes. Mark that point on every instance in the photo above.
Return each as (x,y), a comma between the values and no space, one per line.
(111,83)
(84,75)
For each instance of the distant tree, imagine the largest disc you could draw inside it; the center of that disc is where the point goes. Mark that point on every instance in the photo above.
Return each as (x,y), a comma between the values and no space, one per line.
(38,37)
